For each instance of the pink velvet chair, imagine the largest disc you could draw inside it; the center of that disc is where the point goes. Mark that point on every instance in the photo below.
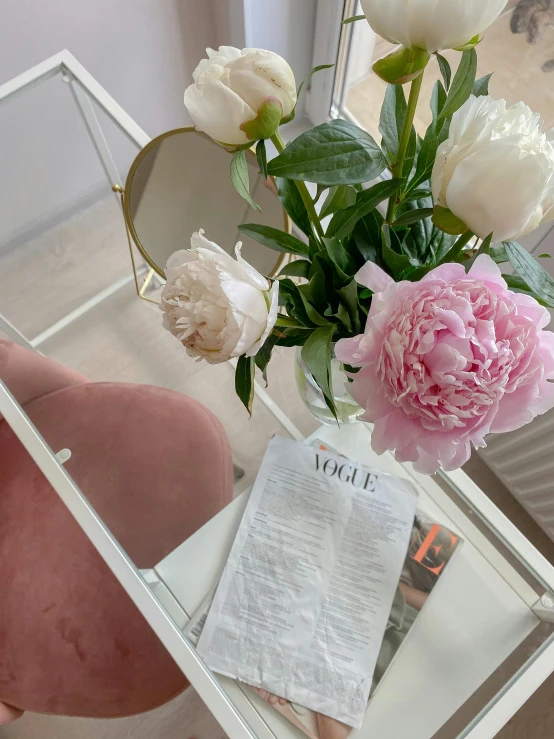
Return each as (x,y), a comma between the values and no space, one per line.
(156,466)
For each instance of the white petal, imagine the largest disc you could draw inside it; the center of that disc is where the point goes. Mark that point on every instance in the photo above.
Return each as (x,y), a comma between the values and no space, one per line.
(455,22)
(388,18)
(218,111)
(258,75)
(496,190)
(271,319)
(255,277)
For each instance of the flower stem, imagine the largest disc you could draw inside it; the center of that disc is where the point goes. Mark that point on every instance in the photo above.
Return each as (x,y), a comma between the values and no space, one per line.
(302,189)
(397,168)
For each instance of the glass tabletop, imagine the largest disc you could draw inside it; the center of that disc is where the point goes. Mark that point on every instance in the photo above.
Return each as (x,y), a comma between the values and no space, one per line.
(473,651)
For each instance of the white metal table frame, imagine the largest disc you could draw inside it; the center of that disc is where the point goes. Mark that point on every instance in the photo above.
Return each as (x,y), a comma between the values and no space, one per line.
(85,88)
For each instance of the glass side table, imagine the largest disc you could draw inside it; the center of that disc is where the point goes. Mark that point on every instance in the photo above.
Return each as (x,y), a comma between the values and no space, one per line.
(478,651)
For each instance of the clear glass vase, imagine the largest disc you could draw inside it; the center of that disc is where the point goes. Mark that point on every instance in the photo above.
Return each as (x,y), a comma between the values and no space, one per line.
(347,408)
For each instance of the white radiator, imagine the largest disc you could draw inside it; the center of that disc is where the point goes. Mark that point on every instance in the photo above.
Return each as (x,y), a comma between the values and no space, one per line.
(524,461)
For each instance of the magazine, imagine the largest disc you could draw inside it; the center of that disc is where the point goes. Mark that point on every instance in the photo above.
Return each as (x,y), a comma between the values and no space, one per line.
(431,547)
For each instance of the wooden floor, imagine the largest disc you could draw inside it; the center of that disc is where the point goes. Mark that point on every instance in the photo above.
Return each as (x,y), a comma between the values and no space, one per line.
(122,340)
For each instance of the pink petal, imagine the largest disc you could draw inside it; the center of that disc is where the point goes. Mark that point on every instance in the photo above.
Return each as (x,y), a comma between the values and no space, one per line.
(484,268)
(514,410)
(373,277)
(447,272)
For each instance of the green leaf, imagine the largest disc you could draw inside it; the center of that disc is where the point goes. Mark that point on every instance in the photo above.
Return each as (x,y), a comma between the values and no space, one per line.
(481,86)
(293,204)
(266,122)
(298,268)
(353,19)
(498,254)
(316,354)
(286,322)
(274,239)
(263,355)
(435,135)
(416,195)
(261,156)
(240,178)
(544,256)
(447,221)
(290,297)
(536,277)
(340,257)
(338,198)
(445,69)
(306,79)
(413,216)
(343,222)
(293,336)
(438,99)
(397,263)
(485,248)
(335,153)
(462,84)
(393,115)
(402,65)
(244,381)
(348,298)
(315,317)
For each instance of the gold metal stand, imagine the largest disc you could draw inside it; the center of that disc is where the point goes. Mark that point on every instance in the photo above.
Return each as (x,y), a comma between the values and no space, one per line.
(140,289)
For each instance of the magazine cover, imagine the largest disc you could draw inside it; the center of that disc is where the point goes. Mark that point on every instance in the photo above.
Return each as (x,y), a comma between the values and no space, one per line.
(431,548)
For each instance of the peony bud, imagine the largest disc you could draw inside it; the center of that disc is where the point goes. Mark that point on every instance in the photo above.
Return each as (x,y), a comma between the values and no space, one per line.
(431,24)
(495,172)
(217,307)
(240,96)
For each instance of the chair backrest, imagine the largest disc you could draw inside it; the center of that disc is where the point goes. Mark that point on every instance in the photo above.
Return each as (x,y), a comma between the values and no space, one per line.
(29,375)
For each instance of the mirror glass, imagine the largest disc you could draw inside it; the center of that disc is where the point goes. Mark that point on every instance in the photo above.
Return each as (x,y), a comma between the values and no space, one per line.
(182,184)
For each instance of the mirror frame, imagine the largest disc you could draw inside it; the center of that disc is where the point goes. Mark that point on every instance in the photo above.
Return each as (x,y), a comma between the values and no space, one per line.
(281,259)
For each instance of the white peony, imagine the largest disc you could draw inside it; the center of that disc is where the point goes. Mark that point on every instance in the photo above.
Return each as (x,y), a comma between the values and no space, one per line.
(230,87)
(431,24)
(496,170)
(218,307)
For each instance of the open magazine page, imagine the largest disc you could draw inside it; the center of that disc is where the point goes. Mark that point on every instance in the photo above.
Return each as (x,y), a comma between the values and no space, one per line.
(304,599)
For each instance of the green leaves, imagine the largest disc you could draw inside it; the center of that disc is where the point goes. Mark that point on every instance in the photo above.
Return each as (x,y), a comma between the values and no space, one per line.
(535,276)
(240,178)
(462,84)
(274,239)
(338,197)
(344,221)
(316,354)
(244,381)
(335,153)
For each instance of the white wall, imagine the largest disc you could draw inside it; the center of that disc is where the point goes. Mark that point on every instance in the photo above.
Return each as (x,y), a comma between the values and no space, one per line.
(285,27)
(142,51)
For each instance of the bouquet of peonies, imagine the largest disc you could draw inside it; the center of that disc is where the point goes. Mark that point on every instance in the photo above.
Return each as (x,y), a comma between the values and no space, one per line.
(404,283)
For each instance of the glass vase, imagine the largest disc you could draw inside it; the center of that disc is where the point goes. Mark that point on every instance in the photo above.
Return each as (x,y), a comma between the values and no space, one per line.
(347,408)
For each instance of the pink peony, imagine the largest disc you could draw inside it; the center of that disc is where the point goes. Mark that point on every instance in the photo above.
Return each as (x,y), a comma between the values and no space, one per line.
(447,360)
